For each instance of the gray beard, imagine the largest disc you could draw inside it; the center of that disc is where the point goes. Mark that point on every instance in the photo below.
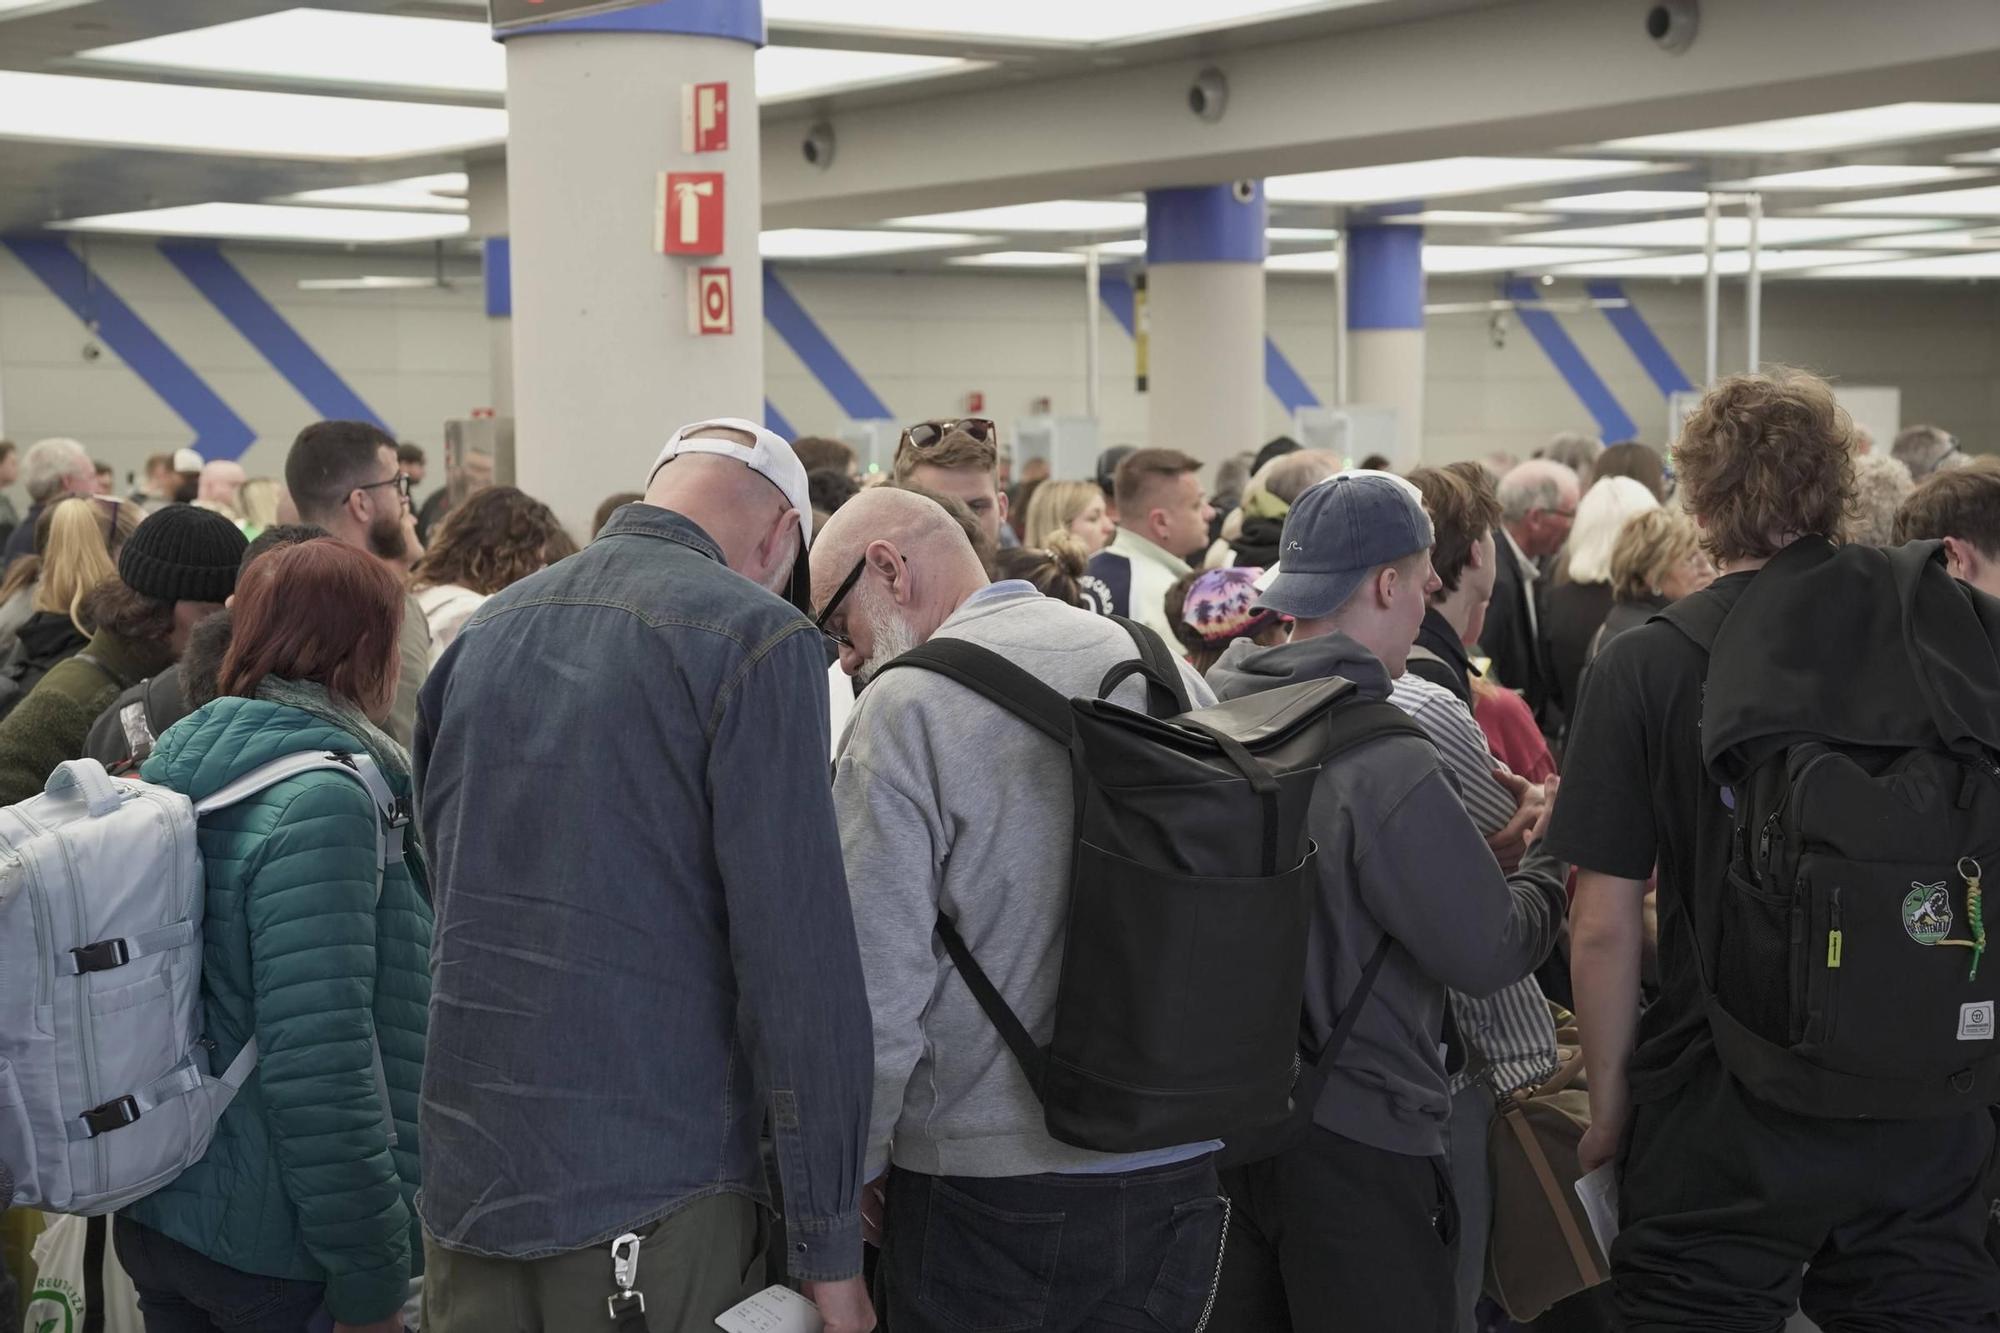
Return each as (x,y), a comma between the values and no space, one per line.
(893,637)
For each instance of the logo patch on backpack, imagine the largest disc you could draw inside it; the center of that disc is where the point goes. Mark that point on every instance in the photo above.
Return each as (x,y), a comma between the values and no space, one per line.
(1975,1021)
(1927,913)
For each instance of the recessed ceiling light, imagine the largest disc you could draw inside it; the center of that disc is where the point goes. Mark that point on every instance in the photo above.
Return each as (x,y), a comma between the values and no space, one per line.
(1730,232)
(1932,266)
(1859,176)
(59,108)
(1400,181)
(1462,217)
(829,243)
(329,45)
(1049,215)
(1983,201)
(276,222)
(1823,133)
(1730,263)
(1022,259)
(1452,259)
(442,193)
(1625,201)
(1062,21)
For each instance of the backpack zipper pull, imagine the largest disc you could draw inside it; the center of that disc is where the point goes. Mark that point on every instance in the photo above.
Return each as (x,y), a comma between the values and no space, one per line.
(1833,936)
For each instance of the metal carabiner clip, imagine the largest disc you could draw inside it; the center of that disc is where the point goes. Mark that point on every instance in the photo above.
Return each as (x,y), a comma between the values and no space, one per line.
(625,1271)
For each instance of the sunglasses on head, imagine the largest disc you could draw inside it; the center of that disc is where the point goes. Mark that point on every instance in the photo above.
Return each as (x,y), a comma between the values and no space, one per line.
(926,434)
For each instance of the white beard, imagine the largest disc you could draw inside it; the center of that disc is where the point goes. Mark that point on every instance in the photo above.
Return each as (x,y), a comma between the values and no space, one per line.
(892,637)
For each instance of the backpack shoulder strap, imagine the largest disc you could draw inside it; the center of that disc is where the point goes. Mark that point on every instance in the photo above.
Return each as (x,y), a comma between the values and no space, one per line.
(997,680)
(998,1012)
(1343,1027)
(1697,617)
(1359,721)
(391,820)
(1166,692)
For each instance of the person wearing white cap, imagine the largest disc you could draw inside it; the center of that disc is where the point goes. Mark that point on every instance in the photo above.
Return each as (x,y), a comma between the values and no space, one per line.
(644,948)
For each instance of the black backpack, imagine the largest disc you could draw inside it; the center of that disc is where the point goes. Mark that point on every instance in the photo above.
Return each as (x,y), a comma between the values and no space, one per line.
(1192,882)
(1843,969)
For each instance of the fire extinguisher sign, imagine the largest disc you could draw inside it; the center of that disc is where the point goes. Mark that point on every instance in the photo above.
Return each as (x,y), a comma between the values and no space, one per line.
(688,213)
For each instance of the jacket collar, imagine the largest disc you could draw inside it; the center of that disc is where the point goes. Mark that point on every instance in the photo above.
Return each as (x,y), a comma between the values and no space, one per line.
(1437,635)
(129,661)
(1130,544)
(645,520)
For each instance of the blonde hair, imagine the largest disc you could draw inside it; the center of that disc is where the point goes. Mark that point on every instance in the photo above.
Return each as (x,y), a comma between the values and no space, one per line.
(77,559)
(258,499)
(1650,544)
(1056,505)
(1605,509)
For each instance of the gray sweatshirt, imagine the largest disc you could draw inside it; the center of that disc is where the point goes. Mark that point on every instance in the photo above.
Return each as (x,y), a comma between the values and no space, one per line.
(948,802)
(1398,855)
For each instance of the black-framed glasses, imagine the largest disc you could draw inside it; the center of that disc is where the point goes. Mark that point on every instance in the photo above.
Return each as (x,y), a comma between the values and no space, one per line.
(926,434)
(401,481)
(833,604)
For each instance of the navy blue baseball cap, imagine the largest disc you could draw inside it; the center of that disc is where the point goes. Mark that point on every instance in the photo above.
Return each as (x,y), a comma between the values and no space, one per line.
(1336,534)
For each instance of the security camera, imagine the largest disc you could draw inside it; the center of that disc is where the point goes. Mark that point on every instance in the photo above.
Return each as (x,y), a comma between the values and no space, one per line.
(1208,95)
(818,147)
(1672,24)
(1245,191)
(91,351)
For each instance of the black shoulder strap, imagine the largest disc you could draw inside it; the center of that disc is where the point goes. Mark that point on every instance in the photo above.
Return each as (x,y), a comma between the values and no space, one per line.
(1698,617)
(1028,1055)
(993,677)
(1166,693)
(1344,1026)
(96,1234)
(1363,720)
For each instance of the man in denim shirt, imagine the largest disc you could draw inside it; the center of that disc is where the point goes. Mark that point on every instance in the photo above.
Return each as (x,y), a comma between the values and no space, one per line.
(644,945)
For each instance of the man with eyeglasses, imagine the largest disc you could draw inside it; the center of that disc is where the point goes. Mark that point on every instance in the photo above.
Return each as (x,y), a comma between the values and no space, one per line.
(344,477)
(960,459)
(1538,503)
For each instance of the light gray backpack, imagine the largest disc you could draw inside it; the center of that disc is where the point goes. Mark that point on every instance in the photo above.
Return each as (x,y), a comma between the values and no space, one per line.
(105,1088)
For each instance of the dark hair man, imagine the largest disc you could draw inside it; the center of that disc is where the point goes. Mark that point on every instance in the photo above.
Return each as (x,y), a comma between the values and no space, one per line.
(1960,508)
(1733,1206)
(344,476)
(960,459)
(410,457)
(1163,518)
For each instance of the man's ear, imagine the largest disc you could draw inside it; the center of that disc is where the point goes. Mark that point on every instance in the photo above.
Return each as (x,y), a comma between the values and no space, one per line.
(1386,579)
(1002,502)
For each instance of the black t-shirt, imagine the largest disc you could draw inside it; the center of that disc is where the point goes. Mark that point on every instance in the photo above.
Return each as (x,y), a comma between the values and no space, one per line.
(1635,795)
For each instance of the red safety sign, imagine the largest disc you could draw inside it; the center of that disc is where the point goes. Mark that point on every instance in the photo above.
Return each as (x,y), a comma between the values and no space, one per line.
(688,217)
(711,304)
(704,117)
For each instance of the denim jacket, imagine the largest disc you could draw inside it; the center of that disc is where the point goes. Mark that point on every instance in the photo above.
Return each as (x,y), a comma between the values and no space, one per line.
(643,941)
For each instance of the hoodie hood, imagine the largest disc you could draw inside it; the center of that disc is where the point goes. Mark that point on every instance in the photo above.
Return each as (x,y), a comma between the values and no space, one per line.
(1247,669)
(47,637)
(214,745)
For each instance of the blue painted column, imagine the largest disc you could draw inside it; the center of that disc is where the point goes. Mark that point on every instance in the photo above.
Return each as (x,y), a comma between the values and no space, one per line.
(1385,329)
(1205,317)
(607,357)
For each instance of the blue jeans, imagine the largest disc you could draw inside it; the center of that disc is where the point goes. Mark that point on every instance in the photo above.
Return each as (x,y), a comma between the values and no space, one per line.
(1056,1254)
(183,1291)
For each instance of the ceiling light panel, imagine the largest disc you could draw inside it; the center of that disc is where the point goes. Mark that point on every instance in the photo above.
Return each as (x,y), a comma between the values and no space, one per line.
(1859,176)
(1983,202)
(1463,217)
(1824,133)
(374,282)
(1730,263)
(1022,259)
(1058,21)
(442,193)
(58,108)
(1730,232)
(801,71)
(276,222)
(1930,266)
(329,45)
(829,243)
(1625,201)
(1053,215)
(1326,234)
(1454,259)
(1438,178)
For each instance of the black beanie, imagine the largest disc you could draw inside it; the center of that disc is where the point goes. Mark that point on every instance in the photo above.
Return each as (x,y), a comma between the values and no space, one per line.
(183,554)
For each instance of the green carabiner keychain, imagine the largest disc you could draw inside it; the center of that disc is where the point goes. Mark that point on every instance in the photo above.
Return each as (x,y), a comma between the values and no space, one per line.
(1976,917)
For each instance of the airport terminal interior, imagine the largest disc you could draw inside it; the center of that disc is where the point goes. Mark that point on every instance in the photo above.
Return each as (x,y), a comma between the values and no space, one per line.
(909,323)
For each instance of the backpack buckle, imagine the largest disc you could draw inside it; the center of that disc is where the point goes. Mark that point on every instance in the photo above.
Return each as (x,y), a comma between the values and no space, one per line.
(112,1115)
(101,956)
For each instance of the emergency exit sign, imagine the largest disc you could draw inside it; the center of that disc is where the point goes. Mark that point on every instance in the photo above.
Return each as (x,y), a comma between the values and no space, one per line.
(507,14)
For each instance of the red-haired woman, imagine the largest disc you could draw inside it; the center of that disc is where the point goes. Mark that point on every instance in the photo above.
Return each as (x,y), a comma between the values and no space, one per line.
(302,1207)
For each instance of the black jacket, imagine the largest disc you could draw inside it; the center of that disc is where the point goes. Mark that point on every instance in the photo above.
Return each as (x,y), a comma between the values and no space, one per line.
(1443,659)
(46,638)
(1572,615)
(1624,616)
(1257,544)
(1520,655)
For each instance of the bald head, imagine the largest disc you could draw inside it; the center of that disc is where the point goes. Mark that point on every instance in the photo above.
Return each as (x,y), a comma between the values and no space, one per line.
(917,568)
(744,514)
(220,481)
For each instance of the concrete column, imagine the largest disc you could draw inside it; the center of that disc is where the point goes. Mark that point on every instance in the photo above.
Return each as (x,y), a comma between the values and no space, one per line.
(1385,329)
(606,362)
(486,210)
(1205,314)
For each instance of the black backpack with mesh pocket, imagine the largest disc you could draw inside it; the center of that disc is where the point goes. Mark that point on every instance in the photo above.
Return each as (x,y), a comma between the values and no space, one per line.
(1192,881)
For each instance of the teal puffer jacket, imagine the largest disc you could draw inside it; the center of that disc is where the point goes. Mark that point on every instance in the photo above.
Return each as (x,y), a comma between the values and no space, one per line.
(300,1180)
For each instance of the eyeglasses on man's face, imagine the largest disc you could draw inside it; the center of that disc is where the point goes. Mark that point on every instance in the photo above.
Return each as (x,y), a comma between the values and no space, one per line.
(401,481)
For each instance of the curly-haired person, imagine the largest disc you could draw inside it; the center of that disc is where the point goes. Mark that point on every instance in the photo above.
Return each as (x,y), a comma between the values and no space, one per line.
(492,541)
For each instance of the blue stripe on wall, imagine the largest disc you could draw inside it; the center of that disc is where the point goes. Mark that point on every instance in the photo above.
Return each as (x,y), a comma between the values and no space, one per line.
(810,344)
(1287,383)
(1639,336)
(497,269)
(1563,353)
(203,265)
(1115,291)
(774,420)
(218,431)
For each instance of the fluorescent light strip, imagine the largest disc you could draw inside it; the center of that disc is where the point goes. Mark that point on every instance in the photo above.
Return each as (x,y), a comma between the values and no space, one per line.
(59,108)
(1624,201)
(803,71)
(276,222)
(1983,201)
(828,243)
(1824,133)
(1933,266)
(1730,263)
(1439,178)
(443,193)
(1858,176)
(1731,232)
(374,282)
(1022,259)
(1463,217)
(1053,215)
(1455,259)
(1062,21)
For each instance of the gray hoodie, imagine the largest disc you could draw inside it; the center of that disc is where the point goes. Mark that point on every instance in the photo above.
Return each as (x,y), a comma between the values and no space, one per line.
(1398,855)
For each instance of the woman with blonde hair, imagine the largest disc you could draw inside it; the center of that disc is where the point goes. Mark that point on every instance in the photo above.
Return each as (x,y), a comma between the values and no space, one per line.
(1075,507)
(77,539)
(258,503)
(1577,605)
(1657,561)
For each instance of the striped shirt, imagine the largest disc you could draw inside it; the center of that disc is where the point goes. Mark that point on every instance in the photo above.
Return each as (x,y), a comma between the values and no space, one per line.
(1510,1032)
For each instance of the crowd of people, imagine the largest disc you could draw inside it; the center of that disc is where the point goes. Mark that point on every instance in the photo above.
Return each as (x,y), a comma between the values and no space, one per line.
(645,1013)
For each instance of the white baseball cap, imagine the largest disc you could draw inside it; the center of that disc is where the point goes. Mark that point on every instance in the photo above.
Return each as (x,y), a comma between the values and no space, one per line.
(770,457)
(187,460)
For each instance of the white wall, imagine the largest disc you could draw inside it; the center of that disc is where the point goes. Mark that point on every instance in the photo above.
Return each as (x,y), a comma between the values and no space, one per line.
(924,340)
